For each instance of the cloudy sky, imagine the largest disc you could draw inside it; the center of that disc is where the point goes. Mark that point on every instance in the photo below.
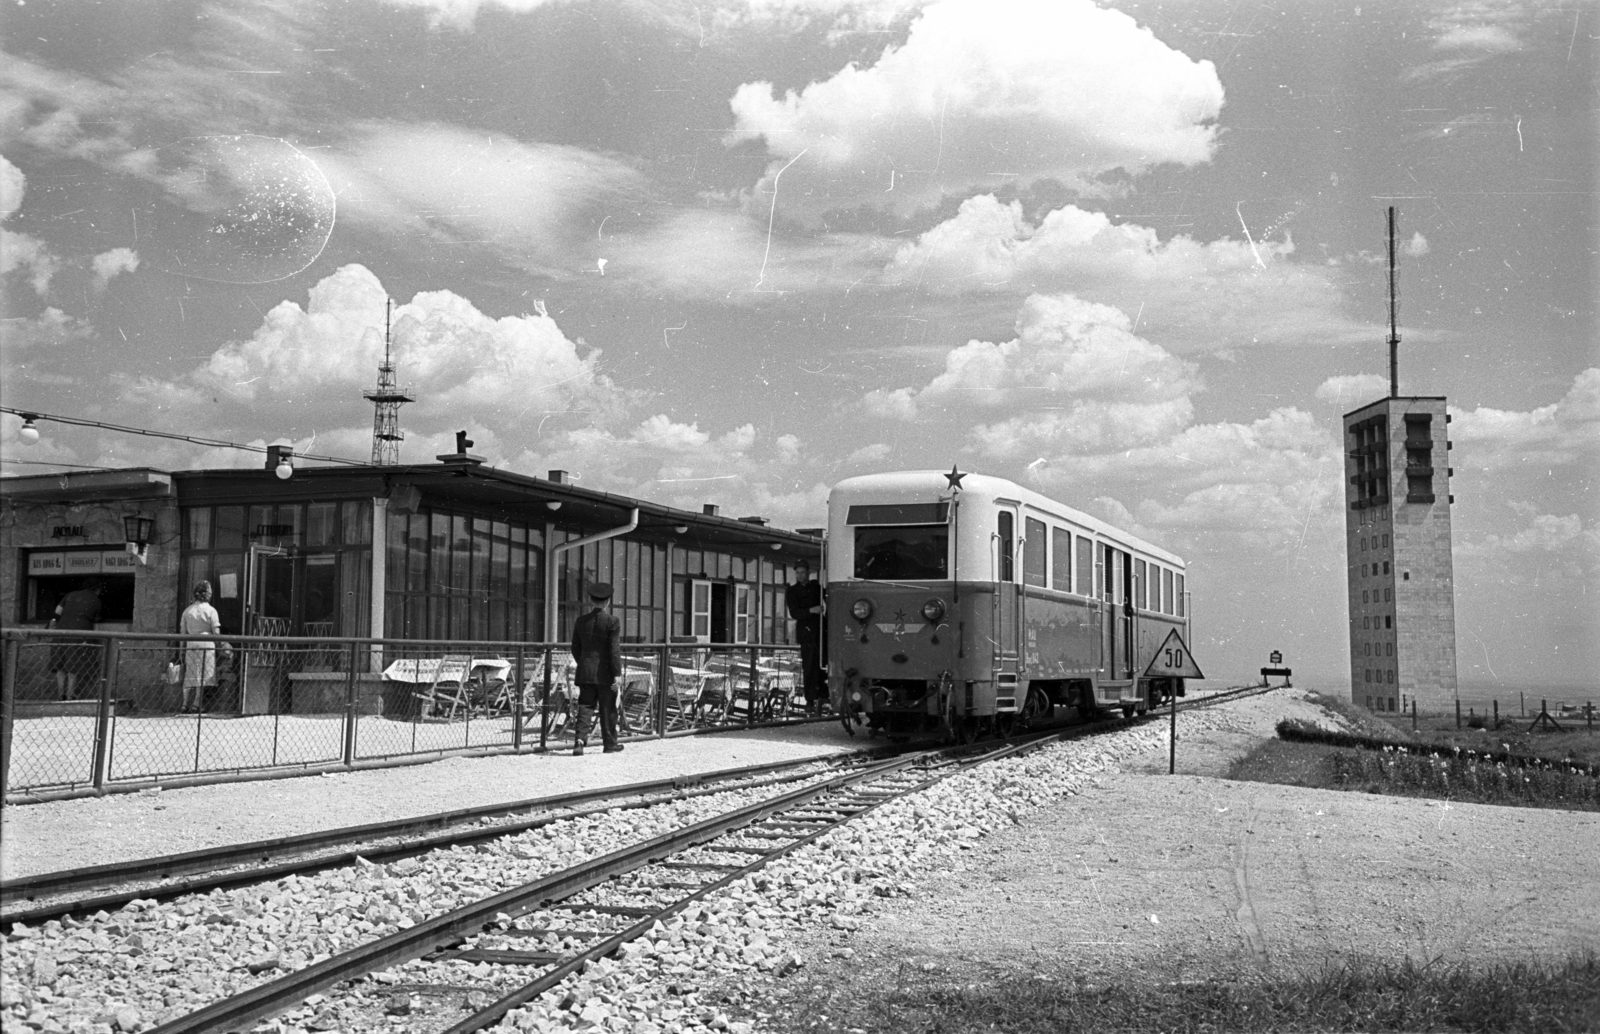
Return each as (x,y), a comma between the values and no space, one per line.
(1129,254)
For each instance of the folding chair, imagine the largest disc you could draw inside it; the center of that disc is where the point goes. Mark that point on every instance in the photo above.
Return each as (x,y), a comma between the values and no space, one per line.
(450,688)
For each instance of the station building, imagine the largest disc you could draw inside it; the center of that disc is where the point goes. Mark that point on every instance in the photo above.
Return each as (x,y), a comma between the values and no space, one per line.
(455,550)
(1397,537)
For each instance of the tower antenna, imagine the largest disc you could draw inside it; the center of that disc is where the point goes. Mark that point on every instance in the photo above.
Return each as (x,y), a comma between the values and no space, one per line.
(1394,313)
(386,402)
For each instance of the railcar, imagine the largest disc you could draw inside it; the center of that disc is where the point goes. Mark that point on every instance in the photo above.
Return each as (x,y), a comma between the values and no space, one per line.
(969,603)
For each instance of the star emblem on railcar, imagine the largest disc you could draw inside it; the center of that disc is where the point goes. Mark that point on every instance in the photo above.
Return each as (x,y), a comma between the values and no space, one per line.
(954,477)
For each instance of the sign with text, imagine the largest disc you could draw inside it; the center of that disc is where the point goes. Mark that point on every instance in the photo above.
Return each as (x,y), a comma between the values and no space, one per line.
(47,563)
(1172,660)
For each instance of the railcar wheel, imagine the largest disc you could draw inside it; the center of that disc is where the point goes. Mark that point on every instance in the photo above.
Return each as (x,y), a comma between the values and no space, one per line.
(1005,725)
(1129,711)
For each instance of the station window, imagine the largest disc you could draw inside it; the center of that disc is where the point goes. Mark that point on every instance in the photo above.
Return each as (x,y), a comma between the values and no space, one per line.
(1035,552)
(1366,649)
(1366,676)
(1386,567)
(1388,622)
(1061,559)
(1388,649)
(1388,594)
(1364,622)
(1386,541)
(1363,595)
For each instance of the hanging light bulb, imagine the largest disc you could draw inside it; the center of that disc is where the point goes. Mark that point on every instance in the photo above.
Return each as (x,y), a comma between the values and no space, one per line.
(285,467)
(29,432)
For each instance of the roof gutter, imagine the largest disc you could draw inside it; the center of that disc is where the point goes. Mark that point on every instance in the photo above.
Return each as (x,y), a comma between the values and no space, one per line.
(550,567)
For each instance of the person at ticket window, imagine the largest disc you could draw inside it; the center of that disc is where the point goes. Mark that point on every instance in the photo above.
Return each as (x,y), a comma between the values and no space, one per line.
(71,659)
(199,658)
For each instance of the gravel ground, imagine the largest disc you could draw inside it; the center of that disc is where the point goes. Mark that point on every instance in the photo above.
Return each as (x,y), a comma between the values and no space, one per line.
(57,835)
(1078,854)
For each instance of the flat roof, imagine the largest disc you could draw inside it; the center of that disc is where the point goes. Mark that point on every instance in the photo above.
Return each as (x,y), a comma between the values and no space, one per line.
(490,487)
(1397,398)
(88,485)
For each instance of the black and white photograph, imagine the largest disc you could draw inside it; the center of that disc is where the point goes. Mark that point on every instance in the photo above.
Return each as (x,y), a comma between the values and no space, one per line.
(779,516)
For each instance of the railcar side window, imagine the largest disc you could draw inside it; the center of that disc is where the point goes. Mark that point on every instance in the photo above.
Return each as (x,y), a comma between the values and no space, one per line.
(1085,566)
(1035,551)
(1007,534)
(1138,584)
(1178,596)
(1061,559)
(1166,591)
(913,552)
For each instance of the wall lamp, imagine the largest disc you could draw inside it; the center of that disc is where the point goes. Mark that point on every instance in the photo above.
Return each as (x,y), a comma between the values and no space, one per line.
(280,460)
(137,529)
(681,529)
(29,433)
(554,504)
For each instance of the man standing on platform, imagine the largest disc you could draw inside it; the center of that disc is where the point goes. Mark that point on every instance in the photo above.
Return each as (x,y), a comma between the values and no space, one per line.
(597,649)
(72,659)
(804,602)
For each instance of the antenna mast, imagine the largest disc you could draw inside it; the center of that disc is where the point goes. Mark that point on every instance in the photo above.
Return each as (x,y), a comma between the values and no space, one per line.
(386,402)
(1394,313)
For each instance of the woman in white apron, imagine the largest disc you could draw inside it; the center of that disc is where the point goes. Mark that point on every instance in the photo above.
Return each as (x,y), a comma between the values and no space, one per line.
(199,659)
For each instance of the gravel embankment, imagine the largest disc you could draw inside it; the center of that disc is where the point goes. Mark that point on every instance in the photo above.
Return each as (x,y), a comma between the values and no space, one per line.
(56,835)
(726,964)
(150,962)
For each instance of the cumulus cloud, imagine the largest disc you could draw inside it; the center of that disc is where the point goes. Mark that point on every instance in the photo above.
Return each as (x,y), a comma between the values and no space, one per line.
(1560,432)
(1190,294)
(13,184)
(461,360)
(1352,389)
(108,264)
(1075,368)
(984,93)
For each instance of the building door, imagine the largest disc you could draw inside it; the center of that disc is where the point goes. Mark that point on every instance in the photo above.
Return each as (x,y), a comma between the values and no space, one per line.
(700,611)
(741,614)
(271,592)
(719,612)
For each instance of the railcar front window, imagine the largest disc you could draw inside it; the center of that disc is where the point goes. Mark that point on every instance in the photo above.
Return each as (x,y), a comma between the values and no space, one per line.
(909,553)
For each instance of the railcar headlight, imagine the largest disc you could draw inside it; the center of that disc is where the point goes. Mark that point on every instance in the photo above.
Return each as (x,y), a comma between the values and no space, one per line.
(862,609)
(933,610)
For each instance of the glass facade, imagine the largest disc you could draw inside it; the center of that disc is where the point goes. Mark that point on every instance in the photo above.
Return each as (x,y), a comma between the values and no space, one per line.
(289,568)
(305,569)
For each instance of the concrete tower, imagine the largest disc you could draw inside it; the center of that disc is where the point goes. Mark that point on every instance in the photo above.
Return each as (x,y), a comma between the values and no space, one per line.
(1397,540)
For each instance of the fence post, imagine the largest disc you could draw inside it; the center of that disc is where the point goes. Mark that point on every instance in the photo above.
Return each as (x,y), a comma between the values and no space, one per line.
(102,718)
(750,717)
(663,687)
(544,704)
(8,694)
(1413,714)
(1458,712)
(1497,714)
(517,682)
(350,708)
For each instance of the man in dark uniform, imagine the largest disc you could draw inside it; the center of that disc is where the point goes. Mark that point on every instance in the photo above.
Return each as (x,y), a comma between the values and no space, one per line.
(597,650)
(72,659)
(804,602)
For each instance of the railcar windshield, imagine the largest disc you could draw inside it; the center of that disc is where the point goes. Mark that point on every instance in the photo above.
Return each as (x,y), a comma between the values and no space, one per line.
(903,553)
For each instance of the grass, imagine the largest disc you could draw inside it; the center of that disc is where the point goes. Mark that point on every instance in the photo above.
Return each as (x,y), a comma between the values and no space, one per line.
(1520,769)
(1546,998)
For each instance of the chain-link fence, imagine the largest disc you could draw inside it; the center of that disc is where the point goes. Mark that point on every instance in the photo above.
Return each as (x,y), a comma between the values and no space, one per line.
(89,711)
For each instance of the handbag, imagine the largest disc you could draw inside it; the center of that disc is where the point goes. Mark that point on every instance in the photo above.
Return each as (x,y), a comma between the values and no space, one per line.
(174,673)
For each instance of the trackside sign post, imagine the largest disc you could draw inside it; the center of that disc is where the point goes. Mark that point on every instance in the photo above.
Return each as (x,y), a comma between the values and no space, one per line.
(1172,661)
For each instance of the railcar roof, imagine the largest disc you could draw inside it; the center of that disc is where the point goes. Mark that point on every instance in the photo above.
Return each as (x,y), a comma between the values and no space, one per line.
(932,485)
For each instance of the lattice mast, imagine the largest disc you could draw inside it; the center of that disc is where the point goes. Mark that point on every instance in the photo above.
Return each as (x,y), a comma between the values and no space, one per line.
(1394,313)
(386,402)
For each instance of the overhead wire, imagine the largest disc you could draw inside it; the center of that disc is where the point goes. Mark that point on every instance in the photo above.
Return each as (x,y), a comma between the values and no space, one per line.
(217,443)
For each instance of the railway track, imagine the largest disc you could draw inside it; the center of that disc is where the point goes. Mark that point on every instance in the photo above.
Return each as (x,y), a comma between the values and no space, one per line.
(536,935)
(53,895)
(506,949)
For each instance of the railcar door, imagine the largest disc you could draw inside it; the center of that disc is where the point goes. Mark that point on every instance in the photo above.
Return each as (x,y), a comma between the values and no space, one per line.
(1007,628)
